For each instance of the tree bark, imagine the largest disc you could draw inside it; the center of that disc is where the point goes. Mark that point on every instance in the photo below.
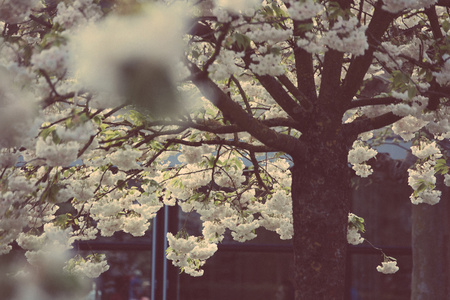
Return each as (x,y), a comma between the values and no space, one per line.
(321,197)
(431,249)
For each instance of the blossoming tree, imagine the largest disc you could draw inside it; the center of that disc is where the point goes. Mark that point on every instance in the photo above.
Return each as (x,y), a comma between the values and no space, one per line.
(97,94)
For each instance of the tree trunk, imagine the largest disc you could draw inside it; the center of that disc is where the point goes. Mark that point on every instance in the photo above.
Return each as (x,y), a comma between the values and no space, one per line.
(431,249)
(321,197)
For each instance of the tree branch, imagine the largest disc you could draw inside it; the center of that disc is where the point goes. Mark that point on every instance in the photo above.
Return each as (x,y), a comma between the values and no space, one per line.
(223,129)
(434,22)
(257,173)
(445,3)
(243,94)
(302,98)
(331,78)
(240,117)
(373,101)
(278,93)
(366,124)
(304,67)
(223,142)
(359,66)
(217,48)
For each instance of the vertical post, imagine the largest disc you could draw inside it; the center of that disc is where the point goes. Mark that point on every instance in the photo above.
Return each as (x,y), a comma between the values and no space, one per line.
(164,276)
(158,257)
(164,259)
(153,280)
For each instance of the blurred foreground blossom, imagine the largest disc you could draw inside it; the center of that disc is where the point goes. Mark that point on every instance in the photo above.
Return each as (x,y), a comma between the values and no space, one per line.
(16,112)
(134,56)
(44,278)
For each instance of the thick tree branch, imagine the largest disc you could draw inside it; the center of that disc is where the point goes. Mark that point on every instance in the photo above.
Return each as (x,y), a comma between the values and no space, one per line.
(240,117)
(278,93)
(233,143)
(358,68)
(304,66)
(331,78)
(366,124)
(218,47)
(373,101)
(434,22)
(242,93)
(445,3)
(302,98)
(213,126)
(257,173)
(223,129)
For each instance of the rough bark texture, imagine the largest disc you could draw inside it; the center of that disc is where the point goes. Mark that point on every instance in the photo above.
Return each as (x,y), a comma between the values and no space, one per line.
(321,197)
(431,250)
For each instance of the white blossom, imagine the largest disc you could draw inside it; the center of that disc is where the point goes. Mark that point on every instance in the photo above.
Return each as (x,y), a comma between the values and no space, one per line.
(447,179)
(395,6)
(52,60)
(388,267)
(126,159)
(16,11)
(358,156)
(407,127)
(353,236)
(425,150)
(304,10)
(443,76)
(102,68)
(346,36)
(53,154)
(268,64)
(238,6)
(267,33)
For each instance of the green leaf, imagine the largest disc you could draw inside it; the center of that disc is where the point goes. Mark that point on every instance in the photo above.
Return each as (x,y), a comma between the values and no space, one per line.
(412,92)
(98,120)
(242,41)
(305,27)
(429,76)
(47,131)
(56,138)
(195,54)
(358,222)
(445,25)
(441,166)
(275,50)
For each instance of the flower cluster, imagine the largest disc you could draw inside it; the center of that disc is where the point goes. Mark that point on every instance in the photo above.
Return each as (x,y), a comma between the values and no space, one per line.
(422,177)
(267,64)
(78,14)
(91,267)
(224,65)
(15,11)
(239,7)
(408,126)
(304,10)
(443,76)
(267,33)
(388,267)
(355,224)
(347,36)
(395,6)
(189,253)
(358,156)
(52,60)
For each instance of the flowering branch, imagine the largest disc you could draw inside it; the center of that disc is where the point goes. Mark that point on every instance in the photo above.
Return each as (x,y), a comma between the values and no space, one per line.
(359,66)
(278,93)
(238,144)
(366,124)
(304,66)
(240,117)
(373,101)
